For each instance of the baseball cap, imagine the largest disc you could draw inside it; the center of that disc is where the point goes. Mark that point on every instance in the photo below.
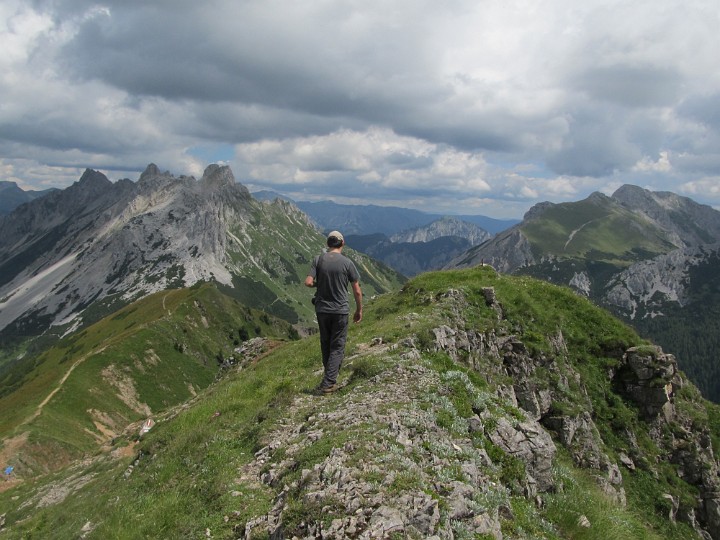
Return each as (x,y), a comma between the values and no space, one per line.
(337,235)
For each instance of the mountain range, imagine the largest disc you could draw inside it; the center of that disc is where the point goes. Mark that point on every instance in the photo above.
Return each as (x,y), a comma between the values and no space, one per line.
(408,241)
(420,249)
(74,255)
(652,258)
(371,219)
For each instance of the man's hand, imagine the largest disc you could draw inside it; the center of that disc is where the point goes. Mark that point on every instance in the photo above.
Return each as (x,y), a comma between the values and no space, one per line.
(357,293)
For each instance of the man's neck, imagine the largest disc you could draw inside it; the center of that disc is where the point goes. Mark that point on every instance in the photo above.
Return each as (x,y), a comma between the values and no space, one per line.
(335,250)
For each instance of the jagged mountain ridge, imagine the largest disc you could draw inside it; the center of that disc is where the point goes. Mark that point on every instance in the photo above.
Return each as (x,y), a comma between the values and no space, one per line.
(445,226)
(633,253)
(99,241)
(472,405)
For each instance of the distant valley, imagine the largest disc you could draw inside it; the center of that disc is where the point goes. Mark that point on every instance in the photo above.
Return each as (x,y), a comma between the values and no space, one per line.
(408,241)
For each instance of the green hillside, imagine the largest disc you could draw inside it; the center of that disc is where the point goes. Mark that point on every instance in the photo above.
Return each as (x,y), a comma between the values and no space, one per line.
(414,443)
(149,356)
(595,228)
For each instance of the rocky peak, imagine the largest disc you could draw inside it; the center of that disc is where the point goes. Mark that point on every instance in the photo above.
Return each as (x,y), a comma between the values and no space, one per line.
(631,195)
(688,222)
(636,197)
(11,196)
(94,181)
(216,176)
(537,210)
(6,184)
(598,198)
(445,226)
(150,171)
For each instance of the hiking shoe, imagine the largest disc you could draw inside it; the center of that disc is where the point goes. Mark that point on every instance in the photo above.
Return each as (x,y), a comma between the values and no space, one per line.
(325,390)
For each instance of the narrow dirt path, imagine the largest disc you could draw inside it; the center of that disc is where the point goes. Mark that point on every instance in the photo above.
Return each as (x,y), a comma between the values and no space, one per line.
(580,228)
(45,401)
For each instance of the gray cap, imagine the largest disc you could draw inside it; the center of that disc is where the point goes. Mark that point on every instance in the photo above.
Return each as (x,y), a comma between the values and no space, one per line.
(337,235)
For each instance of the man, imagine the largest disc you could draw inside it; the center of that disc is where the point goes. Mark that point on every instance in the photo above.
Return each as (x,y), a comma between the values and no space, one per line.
(330,273)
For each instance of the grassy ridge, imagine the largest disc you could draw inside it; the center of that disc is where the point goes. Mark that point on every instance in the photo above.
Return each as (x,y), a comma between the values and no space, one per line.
(604,231)
(151,355)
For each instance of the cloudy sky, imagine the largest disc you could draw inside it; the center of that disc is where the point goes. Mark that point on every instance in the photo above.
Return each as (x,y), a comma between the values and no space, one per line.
(460,106)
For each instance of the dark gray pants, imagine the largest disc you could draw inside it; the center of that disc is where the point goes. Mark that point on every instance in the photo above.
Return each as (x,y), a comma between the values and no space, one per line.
(333,335)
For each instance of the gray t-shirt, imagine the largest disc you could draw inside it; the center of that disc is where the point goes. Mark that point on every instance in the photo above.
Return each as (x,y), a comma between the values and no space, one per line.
(332,272)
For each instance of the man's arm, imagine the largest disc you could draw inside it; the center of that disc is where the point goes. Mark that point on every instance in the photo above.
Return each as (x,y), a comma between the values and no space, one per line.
(310,280)
(357,293)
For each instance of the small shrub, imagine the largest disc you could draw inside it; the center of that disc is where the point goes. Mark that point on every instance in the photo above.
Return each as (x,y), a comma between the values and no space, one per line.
(365,368)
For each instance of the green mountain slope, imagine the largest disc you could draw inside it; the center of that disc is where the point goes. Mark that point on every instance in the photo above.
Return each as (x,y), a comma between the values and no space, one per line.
(692,330)
(648,257)
(597,228)
(149,356)
(474,405)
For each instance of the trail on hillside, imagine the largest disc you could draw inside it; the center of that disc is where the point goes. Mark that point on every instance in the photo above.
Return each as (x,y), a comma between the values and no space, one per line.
(45,401)
(164,308)
(573,233)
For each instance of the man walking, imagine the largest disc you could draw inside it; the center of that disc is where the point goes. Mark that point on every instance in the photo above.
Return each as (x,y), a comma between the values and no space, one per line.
(330,273)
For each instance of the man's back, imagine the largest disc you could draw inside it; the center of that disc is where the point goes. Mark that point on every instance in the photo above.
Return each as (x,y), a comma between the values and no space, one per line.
(333,273)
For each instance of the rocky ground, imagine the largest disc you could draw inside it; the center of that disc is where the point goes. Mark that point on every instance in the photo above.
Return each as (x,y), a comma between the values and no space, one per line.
(393,469)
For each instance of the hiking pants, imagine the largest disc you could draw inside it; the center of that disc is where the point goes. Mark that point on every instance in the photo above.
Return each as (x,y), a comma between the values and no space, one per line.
(333,335)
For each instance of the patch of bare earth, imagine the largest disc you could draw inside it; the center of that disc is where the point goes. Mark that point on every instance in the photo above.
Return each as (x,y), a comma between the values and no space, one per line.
(57,492)
(10,449)
(126,391)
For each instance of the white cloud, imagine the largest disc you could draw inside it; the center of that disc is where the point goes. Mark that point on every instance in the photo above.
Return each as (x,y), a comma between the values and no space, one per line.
(662,164)
(709,187)
(375,157)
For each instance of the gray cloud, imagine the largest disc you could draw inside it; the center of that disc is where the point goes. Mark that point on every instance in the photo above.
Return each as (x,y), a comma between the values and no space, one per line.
(632,86)
(509,101)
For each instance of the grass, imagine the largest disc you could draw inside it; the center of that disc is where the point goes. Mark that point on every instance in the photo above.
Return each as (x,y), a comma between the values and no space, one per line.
(195,459)
(581,496)
(154,354)
(604,231)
